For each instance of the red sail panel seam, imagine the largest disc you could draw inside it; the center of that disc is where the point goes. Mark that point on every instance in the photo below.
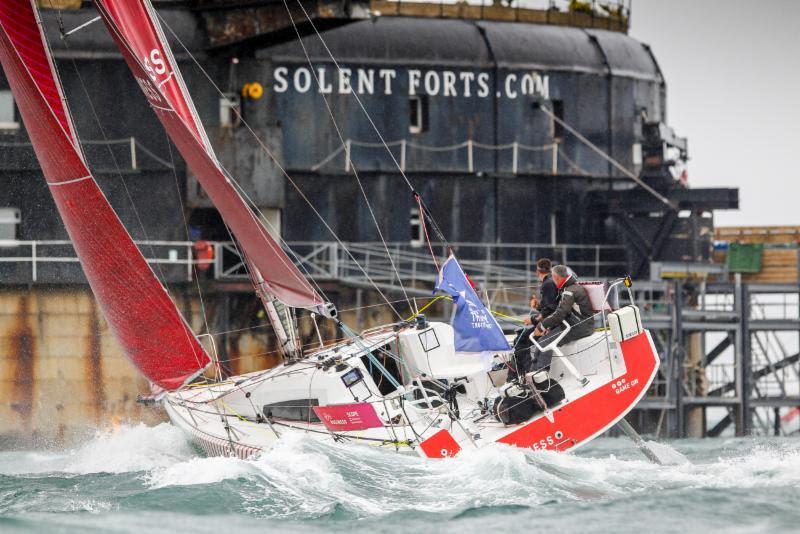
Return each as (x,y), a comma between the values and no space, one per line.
(139,311)
(281,276)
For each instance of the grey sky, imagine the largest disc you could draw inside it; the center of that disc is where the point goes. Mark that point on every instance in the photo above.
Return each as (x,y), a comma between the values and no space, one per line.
(733,73)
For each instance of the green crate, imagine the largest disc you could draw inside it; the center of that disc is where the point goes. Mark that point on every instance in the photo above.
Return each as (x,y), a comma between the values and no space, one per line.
(745,257)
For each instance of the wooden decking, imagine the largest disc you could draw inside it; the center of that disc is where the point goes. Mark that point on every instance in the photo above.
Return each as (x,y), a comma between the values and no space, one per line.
(781,251)
(463,10)
(758,234)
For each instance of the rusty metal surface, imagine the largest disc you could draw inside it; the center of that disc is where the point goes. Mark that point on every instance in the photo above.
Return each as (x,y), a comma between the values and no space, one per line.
(94,365)
(61,372)
(23,369)
(244,21)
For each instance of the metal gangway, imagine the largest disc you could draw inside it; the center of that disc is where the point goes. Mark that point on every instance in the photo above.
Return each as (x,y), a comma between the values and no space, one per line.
(410,267)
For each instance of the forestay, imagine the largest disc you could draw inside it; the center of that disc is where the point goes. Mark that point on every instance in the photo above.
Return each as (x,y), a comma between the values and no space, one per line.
(139,311)
(133,25)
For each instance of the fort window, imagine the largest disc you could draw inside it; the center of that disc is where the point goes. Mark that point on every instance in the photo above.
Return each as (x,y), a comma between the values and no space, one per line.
(418,114)
(10,219)
(416,228)
(558,129)
(8,119)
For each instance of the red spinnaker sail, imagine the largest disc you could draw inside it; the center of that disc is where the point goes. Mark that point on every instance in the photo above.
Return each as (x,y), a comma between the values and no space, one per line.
(140,39)
(141,315)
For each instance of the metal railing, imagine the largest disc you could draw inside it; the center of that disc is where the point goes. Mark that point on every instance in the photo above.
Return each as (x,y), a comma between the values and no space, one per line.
(36,256)
(490,264)
(105,155)
(361,263)
(464,157)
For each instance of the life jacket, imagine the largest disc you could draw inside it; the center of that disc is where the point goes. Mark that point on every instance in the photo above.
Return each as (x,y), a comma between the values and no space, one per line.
(204,254)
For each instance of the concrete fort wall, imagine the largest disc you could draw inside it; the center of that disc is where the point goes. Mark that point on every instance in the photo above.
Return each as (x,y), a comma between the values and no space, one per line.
(61,371)
(63,375)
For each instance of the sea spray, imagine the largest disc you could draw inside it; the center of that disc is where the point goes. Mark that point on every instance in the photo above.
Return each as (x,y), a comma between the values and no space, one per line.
(153,479)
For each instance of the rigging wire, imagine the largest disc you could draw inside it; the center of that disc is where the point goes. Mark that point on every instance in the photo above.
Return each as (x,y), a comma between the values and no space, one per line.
(207,147)
(96,117)
(266,325)
(274,159)
(608,158)
(341,139)
(188,238)
(425,231)
(274,234)
(427,212)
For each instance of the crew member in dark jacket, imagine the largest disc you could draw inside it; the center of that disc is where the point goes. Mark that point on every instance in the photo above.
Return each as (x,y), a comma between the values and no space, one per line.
(574,306)
(543,303)
(547,300)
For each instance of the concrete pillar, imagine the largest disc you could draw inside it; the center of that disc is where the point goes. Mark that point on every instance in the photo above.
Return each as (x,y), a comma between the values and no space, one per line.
(698,385)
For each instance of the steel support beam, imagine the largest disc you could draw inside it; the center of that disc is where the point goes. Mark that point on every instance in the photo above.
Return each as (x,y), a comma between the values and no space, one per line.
(667,224)
(714,353)
(639,201)
(745,363)
(754,376)
(720,427)
(678,352)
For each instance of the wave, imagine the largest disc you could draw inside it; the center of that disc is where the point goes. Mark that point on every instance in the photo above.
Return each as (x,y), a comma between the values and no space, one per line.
(298,478)
(128,448)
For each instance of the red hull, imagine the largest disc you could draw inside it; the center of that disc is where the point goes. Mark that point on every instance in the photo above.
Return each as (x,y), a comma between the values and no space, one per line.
(590,415)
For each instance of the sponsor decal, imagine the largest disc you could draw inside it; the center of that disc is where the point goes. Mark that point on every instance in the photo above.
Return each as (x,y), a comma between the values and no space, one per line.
(623,385)
(440,445)
(379,81)
(549,441)
(348,416)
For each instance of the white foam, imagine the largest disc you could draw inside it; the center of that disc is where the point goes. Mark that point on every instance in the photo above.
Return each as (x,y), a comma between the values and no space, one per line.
(92,506)
(300,477)
(666,454)
(126,449)
(199,471)
(129,448)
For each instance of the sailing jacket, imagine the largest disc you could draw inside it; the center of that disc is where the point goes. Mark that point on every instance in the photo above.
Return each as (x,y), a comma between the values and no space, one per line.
(548,297)
(574,307)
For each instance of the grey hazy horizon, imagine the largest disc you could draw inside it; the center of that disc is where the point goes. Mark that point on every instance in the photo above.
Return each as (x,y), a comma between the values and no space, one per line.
(732,72)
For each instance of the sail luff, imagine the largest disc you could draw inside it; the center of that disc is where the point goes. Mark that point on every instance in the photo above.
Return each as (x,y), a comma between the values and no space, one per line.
(137,33)
(147,325)
(192,110)
(72,132)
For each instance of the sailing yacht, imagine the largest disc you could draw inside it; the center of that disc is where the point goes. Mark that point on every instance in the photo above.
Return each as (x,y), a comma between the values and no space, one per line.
(427,388)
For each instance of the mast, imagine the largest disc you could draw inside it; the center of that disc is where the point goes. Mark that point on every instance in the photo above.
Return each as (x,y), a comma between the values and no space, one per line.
(133,25)
(149,328)
(280,316)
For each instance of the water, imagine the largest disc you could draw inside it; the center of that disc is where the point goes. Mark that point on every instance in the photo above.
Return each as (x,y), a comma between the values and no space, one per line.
(149,479)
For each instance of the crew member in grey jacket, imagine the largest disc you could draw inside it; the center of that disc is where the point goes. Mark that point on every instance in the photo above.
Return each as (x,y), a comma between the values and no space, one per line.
(574,307)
